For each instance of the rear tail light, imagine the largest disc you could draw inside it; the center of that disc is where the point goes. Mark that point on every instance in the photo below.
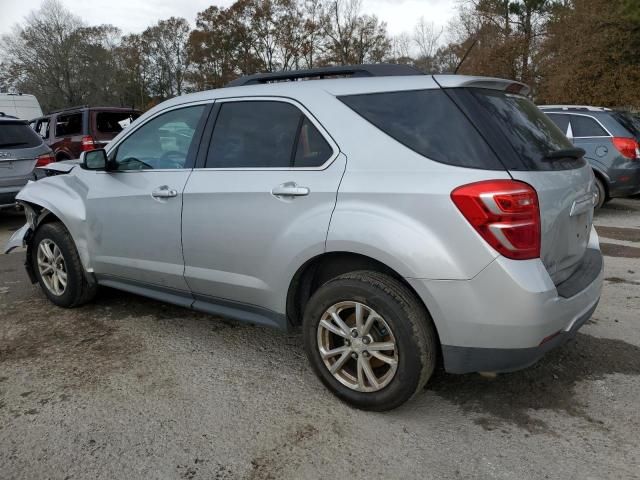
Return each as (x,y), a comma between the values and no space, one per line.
(45,159)
(628,147)
(88,143)
(505,213)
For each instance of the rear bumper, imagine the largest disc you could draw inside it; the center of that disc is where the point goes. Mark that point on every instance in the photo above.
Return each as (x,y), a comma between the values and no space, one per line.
(8,196)
(625,179)
(502,319)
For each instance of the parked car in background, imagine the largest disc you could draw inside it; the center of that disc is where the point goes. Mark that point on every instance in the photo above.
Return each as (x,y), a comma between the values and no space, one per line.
(21,151)
(20,105)
(71,131)
(611,141)
(398,217)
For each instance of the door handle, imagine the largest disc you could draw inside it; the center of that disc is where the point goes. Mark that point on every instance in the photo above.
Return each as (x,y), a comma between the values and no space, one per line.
(164,192)
(290,189)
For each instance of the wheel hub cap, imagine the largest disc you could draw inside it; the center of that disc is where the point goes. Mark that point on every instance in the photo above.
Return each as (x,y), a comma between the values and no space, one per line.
(357,346)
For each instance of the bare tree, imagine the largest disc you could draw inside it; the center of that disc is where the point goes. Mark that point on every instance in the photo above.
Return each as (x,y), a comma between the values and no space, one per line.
(427,37)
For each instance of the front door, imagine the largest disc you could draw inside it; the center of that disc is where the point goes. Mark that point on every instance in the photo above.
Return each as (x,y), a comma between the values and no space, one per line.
(134,209)
(261,204)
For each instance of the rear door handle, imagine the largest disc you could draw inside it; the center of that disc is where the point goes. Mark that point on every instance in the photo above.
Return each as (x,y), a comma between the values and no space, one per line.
(290,189)
(164,192)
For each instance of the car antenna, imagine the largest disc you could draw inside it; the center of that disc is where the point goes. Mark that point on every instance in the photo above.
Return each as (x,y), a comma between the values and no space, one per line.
(466,54)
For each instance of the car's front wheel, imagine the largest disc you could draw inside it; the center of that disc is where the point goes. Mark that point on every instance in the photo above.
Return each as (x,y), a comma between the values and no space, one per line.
(58,268)
(369,340)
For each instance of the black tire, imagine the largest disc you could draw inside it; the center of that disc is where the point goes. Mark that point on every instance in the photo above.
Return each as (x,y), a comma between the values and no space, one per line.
(602,194)
(407,318)
(78,290)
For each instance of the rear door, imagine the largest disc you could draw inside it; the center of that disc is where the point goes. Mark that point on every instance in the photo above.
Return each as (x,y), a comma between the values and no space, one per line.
(261,203)
(68,131)
(525,138)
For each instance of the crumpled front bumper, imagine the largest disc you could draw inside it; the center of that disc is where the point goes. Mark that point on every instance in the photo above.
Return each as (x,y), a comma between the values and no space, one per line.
(18,239)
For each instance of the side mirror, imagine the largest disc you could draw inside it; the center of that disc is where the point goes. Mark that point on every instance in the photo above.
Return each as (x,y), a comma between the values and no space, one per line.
(94,159)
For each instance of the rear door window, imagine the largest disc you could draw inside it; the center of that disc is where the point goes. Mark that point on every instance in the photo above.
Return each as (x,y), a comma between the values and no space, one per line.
(585,126)
(15,135)
(265,134)
(429,123)
(68,125)
(561,120)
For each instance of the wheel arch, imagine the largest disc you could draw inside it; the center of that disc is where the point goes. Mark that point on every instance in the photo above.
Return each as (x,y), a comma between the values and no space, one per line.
(322,268)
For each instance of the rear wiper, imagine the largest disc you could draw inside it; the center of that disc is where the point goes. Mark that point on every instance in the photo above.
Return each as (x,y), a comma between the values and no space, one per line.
(565,153)
(3,145)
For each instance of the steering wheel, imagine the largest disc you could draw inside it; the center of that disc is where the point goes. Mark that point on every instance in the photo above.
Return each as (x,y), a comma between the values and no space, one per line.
(176,162)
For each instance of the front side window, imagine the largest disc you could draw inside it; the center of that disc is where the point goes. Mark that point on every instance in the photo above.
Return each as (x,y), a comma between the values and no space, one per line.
(68,125)
(265,134)
(162,143)
(586,127)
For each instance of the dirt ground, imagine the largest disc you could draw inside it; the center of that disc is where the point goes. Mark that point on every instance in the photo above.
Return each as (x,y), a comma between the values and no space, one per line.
(131,388)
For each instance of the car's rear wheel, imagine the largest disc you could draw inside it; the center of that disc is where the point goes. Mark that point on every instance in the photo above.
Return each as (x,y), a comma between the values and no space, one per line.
(601,194)
(58,268)
(369,340)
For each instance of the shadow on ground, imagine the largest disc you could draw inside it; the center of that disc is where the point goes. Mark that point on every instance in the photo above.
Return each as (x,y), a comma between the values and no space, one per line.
(551,384)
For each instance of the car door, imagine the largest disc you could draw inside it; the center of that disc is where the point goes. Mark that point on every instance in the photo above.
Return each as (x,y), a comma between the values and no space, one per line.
(261,203)
(134,209)
(590,135)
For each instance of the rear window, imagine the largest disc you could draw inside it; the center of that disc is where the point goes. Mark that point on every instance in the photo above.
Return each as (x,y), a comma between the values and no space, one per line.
(114,122)
(17,135)
(531,135)
(629,121)
(428,122)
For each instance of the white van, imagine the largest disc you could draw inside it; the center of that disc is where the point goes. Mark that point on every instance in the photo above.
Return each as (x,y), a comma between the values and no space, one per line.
(20,105)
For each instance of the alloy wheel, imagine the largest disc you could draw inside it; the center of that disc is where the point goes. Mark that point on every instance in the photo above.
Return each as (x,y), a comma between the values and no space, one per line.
(357,346)
(52,267)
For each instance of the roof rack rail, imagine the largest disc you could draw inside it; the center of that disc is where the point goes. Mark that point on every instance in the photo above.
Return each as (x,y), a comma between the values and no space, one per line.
(587,108)
(77,107)
(370,70)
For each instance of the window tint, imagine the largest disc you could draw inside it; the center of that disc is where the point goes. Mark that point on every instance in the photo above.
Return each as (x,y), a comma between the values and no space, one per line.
(312,150)
(530,132)
(14,135)
(67,125)
(254,134)
(562,121)
(114,122)
(428,122)
(586,127)
(161,143)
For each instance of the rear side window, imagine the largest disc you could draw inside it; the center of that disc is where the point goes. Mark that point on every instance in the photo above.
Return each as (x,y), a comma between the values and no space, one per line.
(562,121)
(583,126)
(15,135)
(114,122)
(67,125)
(265,134)
(429,123)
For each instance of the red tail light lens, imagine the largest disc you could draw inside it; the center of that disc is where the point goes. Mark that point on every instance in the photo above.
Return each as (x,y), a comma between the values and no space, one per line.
(505,213)
(88,143)
(628,147)
(45,159)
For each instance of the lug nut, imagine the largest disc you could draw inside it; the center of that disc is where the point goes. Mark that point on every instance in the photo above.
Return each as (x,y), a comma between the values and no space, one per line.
(354,333)
(347,342)
(354,355)
(365,354)
(366,340)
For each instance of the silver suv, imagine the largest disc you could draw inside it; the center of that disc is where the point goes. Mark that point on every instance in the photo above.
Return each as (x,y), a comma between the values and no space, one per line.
(397,217)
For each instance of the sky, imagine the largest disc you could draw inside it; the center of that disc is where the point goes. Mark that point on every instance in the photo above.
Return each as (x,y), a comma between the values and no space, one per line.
(136,15)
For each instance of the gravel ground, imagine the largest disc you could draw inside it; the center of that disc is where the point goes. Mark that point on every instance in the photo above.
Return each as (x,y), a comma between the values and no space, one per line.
(131,388)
